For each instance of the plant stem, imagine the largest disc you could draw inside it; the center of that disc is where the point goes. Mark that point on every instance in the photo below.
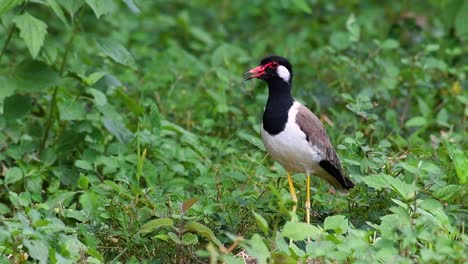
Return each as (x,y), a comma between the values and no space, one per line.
(10,34)
(53,101)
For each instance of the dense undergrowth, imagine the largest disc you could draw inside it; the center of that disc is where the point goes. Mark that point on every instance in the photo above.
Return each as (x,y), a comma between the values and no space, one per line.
(127,134)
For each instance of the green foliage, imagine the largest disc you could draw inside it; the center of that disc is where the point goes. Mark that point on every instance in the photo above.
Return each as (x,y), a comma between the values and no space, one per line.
(127,134)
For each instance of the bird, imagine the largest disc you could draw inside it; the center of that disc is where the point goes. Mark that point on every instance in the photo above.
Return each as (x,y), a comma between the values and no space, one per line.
(293,135)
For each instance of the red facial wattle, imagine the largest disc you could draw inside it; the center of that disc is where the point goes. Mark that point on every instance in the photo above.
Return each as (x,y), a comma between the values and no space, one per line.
(259,71)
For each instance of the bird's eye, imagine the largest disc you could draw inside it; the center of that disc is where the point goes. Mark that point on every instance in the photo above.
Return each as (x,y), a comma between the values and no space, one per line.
(274,64)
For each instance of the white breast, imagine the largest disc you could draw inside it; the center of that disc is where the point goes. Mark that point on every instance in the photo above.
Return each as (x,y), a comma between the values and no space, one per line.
(290,147)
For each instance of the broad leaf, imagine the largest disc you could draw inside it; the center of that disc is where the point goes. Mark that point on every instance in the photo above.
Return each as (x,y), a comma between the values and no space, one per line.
(117,129)
(156,224)
(130,102)
(300,231)
(32,31)
(261,222)
(83,164)
(189,239)
(37,250)
(417,121)
(12,175)
(32,75)
(155,119)
(203,231)
(187,204)
(378,181)
(58,10)
(71,6)
(116,52)
(258,249)
(92,78)
(71,110)
(302,5)
(59,198)
(8,87)
(100,98)
(337,223)
(447,192)
(6,5)
(405,190)
(16,106)
(100,7)
(461,26)
(459,160)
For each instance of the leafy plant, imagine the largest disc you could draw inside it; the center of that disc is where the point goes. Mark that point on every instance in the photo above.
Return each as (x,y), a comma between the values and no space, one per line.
(128,136)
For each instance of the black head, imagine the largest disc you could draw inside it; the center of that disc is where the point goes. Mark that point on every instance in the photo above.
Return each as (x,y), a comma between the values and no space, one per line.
(272,68)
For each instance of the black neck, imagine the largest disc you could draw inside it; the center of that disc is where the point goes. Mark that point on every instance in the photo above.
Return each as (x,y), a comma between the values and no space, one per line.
(278,105)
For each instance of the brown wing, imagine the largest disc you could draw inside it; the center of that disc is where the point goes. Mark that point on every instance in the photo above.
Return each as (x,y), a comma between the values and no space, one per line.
(317,136)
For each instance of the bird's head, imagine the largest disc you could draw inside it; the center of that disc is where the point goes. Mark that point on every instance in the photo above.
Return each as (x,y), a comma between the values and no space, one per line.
(272,68)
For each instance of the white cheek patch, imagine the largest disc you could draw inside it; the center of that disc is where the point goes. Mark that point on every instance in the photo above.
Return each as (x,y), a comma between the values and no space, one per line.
(283,73)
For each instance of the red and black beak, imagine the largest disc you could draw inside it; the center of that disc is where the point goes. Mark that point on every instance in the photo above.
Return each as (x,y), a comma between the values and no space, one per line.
(255,72)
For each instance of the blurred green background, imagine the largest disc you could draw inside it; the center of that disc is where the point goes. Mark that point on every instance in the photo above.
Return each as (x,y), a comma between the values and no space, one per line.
(128,135)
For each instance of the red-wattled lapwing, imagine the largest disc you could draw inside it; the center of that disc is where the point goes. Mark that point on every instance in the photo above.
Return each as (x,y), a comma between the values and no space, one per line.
(292,134)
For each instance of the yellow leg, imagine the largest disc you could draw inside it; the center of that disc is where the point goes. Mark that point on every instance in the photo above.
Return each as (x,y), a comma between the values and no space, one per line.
(292,191)
(307,204)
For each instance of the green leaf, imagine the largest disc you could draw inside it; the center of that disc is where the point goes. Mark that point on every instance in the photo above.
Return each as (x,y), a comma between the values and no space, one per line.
(447,192)
(340,40)
(6,5)
(83,164)
(133,105)
(117,52)
(100,7)
(459,160)
(100,98)
(405,190)
(442,118)
(92,78)
(59,198)
(13,174)
(254,140)
(37,249)
(71,110)
(156,224)
(229,259)
(353,28)
(91,202)
(8,87)
(16,106)
(201,35)
(389,44)
(337,223)
(300,231)
(261,222)
(187,204)
(58,10)
(34,76)
(302,5)
(83,182)
(71,6)
(4,209)
(189,239)
(258,250)
(378,181)
(118,129)
(203,231)
(461,27)
(417,121)
(155,119)
(32,31)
